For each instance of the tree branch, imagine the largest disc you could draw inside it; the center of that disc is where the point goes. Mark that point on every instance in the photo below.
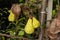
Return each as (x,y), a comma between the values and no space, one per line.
(9,36)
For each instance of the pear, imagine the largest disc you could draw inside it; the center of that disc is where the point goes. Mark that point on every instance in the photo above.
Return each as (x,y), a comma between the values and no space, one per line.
(36,23)
(11,16)
(29,27)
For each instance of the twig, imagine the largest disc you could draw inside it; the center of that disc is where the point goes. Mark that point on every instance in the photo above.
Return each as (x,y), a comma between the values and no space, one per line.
(9,36)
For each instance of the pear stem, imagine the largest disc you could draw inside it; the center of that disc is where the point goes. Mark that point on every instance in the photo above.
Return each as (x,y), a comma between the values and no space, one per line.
(31,13)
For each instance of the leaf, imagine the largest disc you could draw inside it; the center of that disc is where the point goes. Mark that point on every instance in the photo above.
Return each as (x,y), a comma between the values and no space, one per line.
(21,19)
(53,13)
(11,33)
(54,0)
(20,0)
(26,12)
(33,0)
(21,33)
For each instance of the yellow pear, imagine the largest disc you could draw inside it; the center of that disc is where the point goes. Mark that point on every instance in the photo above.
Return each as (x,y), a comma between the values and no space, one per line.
(36,23)
(29,27)
(11,16)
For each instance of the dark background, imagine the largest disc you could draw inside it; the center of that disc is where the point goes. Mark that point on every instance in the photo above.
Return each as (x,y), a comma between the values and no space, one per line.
(4,16)
(7,3)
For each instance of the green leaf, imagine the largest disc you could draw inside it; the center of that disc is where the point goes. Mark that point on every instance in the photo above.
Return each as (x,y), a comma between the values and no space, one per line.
(11,33)
(21,19)
(20,0)
(21,33)
(33,0)
(26,13)
(54,0)
(53,13)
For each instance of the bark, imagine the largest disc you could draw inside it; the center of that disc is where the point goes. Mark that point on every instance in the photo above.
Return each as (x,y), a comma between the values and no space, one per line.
(42,18)
(49,13)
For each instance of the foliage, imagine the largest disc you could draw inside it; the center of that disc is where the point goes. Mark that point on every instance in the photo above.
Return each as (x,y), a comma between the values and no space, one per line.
(16,28)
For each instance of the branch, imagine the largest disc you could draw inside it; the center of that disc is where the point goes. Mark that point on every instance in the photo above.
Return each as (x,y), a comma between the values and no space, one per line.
(9,36)
(42,18)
